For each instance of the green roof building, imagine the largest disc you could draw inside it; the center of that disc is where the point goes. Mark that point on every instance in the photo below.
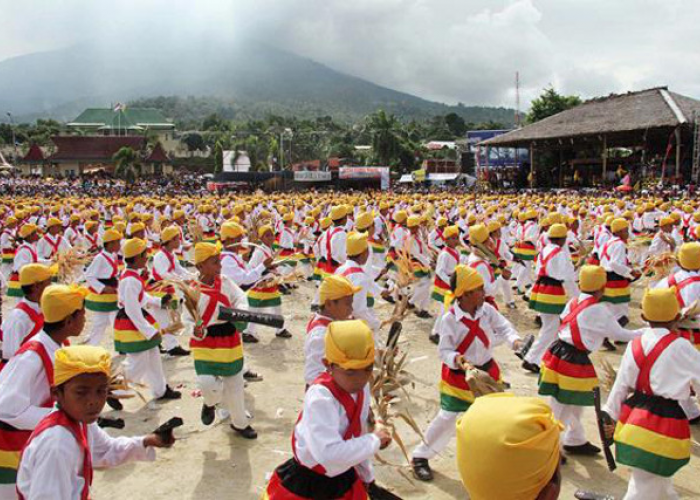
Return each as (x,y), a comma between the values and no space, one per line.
(122,120)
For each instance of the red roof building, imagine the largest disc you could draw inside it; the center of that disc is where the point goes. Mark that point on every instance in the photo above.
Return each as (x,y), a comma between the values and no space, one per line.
(158,155)
(34,155)
(92,148)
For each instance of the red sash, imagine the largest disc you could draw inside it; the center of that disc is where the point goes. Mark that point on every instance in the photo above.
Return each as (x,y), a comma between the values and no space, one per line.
(476,264)
(545,261)
(606,255)
(329,238)
(680,285)
(645,362)
(571,320)
(37,318)
(40,350)
(453,253)
(112,263)
(215,297)
(53,244)
(475,332)
(171,265)
(93,241)
(353,411)
(35,258)
(79,431)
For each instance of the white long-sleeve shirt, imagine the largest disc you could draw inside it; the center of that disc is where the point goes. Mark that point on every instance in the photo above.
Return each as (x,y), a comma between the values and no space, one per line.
(319,436)
(453,331)
(169,269)
(690,292)
(671,376)
(101,269)
(338,245)
(315,347)
(48,246)
(560,267)
(234,267)
(24,387)
(596,323)
(486,271)
(613,258)
(52,464)
(24,256)
(447,262)
(658,245)
(15,328)
(358,277)
(231,291)
(129,290)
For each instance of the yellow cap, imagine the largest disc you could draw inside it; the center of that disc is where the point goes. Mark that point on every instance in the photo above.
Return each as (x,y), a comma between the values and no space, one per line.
(557,231)
(336,287)
(111,235)
(356,243)
(618,225)
(91,224)
(518,432)
(442,222)
(134,247)
(400,216)
(53,221)
(494,225)
(34,273)
(338,212)
(450,231)
(468,279)
(478,233)
(27,229)
(288,217)
(325,223)
(364,220)
(178,214)
(592,278)
(136,227)
(203,251)
(77,360)
(349,344)
(60,301)
(414,221)
(169,233)
(689,256)
(660,305)
(264,229)
(230,230)
(666,221)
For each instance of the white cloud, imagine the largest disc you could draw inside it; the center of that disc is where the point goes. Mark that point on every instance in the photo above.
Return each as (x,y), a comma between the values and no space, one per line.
(447,50)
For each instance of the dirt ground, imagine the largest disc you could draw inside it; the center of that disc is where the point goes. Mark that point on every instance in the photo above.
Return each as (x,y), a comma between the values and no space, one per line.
(212,463)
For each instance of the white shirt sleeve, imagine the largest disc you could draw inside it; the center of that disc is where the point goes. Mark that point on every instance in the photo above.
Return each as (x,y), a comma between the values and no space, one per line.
(110,451)
(128,293)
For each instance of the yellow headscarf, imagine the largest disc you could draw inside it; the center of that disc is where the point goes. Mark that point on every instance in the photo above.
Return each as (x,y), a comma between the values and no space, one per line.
(349,344)
(468,279)
(336,287)
(506,432)
(76,360)
(34,273)
(202,251)
(60,301)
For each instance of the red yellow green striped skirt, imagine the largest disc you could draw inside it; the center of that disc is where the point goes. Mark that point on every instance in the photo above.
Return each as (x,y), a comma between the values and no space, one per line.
(548,296)
(128,339)
(440,290)
(455,393)
(12,441)
(305,258)
(652,434)
(391,258)
(289,255)
(264,297)
(101,302)
(14,289)
(692,336)
(220,353)
(8,255)
(210,237)
(567,375)
(575,257)
(420,271)
(617,290)
(293,481)
(377,247)
(525,250)
(320,270)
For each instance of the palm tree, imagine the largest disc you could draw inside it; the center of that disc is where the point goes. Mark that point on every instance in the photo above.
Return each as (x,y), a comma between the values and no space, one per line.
(385,136)
(125,161)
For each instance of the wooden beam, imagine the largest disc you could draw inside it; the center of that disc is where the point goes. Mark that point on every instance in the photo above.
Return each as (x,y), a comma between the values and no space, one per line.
(532,164)
(678,152)
(605,158)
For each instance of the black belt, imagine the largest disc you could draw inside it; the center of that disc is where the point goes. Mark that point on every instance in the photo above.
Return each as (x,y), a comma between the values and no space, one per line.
(546,280)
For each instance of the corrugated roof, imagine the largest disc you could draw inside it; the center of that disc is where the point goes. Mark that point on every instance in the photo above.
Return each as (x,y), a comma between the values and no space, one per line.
(129,117)
(92,148)
(635,111)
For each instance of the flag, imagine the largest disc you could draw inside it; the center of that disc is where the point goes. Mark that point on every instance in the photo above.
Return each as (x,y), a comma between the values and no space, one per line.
(118,107)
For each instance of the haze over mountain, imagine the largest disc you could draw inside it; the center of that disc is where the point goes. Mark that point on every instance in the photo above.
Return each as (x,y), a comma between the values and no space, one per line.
(249,77)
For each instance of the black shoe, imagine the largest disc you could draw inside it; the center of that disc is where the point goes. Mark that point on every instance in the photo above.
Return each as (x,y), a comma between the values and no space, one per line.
(178,351)
(251,376)
(114,423)
(170,394)
(315,308)
(531,367)
(411,306)
(115,404)
(525,298)
(609,345)
(284,334)
(538,322)
(434,338)
(562,459)
(247,433)
(423,314)
(620,342)
(389,299)
(421,469)
(208,414)
(623,321)
(249,339)
(584,449)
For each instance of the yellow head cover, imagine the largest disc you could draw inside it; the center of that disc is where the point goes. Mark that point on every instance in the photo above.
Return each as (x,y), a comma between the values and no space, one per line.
(592,278)
(60,301)
(660,305)
(169,233)
(34,273)
(203,251)
(134,247)
(356,243)
(336,287)
(507,433)
(76,360)
(230,230)
(349,344)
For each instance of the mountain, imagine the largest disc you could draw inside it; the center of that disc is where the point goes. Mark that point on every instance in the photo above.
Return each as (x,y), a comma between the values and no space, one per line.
(250,78)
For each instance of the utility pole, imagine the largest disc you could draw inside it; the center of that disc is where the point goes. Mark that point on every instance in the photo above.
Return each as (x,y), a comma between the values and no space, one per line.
(14,139)
(517,99)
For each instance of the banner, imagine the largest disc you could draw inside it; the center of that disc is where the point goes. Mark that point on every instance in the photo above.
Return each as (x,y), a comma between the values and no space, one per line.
(362,172)
(312,176)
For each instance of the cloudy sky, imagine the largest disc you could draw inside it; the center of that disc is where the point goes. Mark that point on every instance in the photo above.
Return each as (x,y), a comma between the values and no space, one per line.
(445,50)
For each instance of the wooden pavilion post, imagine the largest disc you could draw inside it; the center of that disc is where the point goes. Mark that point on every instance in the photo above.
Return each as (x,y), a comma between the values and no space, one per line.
(605,158)
(532,164)
(561,166)
(678,152)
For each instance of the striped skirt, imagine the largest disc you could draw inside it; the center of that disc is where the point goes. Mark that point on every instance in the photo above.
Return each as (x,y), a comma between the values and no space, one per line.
(525,250)
(567,375)
(548,296)
(14,289)
(8,256)
(101,302)
(455,393)
(420,271)
(264,297)
(128,339)
(440,290)
(12,441)
(320,270)
(220,353)
(652,434)
(617,290)
(293,481)
(391,258)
